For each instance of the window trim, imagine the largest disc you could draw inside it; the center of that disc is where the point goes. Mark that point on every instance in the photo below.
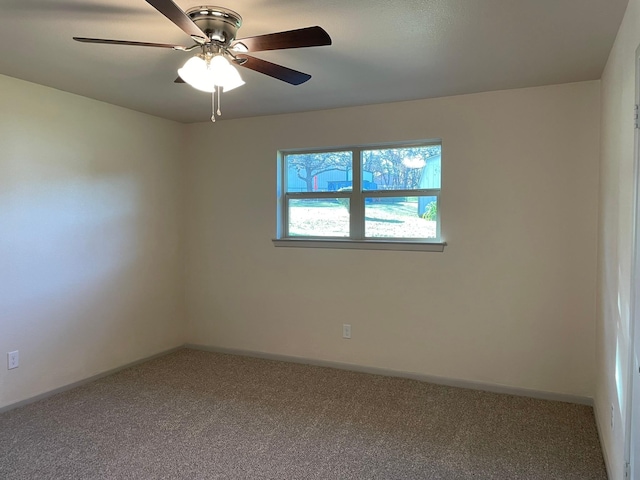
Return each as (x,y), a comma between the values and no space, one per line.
(357,197)
(349,244)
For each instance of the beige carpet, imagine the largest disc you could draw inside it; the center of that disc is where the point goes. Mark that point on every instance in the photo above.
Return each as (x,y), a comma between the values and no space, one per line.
(200,415)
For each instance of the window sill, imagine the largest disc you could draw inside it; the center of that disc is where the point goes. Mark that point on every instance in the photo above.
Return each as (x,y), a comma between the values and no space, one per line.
(402,245)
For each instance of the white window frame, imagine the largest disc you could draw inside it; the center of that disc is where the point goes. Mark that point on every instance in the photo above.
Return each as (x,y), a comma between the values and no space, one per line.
(357,197)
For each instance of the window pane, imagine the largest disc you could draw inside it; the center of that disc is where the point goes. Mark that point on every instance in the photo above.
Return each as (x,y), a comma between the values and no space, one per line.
(319,217)
(401,217)
(318,172)
(408,168)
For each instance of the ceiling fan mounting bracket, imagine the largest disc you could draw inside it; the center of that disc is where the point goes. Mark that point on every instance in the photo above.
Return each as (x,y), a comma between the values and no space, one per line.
(220,24)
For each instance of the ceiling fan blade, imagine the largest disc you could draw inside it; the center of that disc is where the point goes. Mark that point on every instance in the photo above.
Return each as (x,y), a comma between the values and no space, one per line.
(303,37)
(285,74)
(179,80)
(174,13)
(126,42)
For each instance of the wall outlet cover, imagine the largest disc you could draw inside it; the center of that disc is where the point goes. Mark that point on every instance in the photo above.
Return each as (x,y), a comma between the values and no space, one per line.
(346,330)
(13,360)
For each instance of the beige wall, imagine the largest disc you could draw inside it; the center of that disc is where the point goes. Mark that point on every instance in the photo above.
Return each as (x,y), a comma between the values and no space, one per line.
(92,261)
(511,301)
(90,249)
(615,239)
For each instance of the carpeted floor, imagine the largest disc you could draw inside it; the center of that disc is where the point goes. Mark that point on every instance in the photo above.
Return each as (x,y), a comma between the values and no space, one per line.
(201,415)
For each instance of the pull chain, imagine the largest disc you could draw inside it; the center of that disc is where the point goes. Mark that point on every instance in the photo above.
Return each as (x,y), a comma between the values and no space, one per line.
(213,107)
(219,112)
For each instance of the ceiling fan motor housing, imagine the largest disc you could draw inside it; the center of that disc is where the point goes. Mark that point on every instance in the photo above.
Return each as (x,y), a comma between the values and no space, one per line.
(220,24)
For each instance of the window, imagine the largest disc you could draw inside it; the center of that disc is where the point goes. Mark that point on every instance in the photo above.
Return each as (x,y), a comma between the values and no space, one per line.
(361,197)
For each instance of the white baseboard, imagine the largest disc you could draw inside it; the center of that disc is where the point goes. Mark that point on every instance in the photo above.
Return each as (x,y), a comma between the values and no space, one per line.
(496,388)
(92,378)
(488,387)
(603,447)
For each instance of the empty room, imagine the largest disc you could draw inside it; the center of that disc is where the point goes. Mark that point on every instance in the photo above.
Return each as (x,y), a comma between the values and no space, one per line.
(319,240)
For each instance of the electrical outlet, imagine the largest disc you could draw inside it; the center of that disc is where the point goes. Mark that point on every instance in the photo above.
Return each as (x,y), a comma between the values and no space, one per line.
(12,360)
(612,417)
(346,331)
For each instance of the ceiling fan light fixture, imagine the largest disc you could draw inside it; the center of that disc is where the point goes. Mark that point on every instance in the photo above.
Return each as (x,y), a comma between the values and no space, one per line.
(196,74)
(206,75)
(233,80)
(218,64)
(225,75)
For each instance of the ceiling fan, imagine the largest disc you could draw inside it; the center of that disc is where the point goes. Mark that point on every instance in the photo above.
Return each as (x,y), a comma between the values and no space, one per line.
(213,29)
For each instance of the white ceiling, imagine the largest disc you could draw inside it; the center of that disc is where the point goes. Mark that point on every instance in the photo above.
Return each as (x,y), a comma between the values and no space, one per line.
(383,51)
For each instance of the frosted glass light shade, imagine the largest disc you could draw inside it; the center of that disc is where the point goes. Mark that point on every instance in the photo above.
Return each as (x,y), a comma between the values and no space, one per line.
(225,75)
(195,73)
(206,76)
(232,80)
